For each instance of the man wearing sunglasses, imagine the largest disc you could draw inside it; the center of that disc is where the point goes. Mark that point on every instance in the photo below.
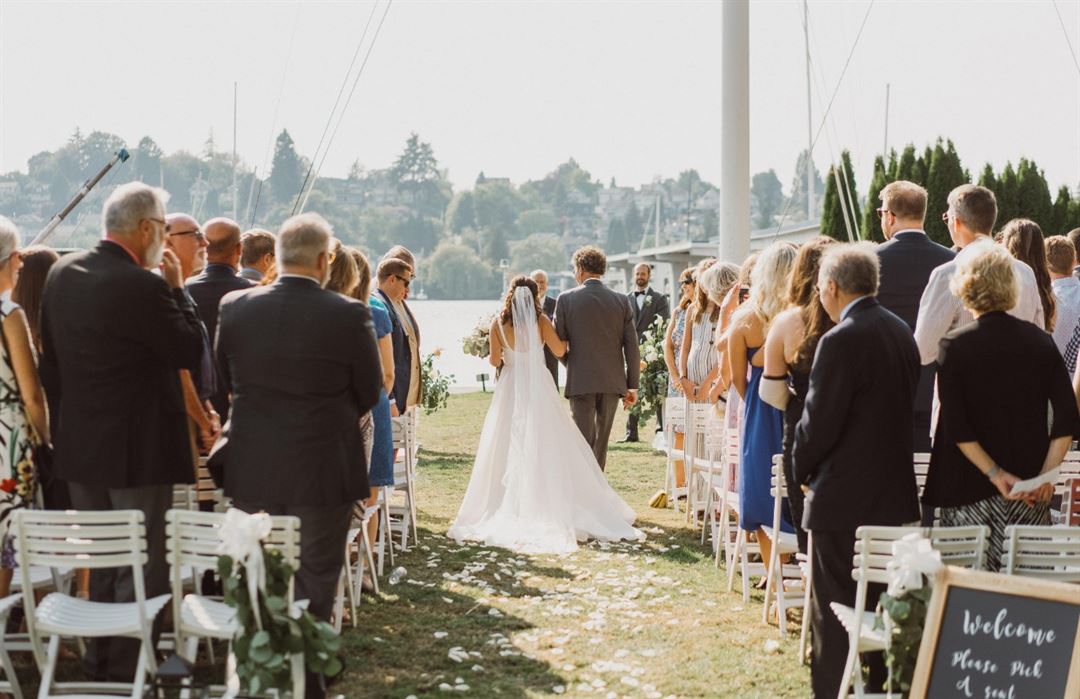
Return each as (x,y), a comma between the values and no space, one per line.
(394,277)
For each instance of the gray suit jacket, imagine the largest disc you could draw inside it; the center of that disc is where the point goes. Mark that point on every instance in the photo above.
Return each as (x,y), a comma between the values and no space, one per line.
(599,325)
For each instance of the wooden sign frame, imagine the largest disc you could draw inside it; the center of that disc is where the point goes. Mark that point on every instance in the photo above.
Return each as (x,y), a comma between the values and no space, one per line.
(1032,588)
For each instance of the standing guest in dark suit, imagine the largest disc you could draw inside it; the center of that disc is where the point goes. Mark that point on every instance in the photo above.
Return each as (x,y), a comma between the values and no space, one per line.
(647,305)
(256,254)
(603,364)
(393,277)
(117,336)
(907,260)
(223,253)
(860,404)
(302,366)
(997,377)
(548,307)
(408,322)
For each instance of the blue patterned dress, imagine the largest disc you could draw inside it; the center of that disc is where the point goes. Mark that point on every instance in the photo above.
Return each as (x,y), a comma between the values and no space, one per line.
(381,468)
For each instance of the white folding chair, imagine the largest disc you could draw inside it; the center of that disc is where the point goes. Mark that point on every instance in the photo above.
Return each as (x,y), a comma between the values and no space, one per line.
(959,546)
(674,423)
(183,497)
(403,517)
(783,581)
(10,681)
(208,491)
(730,509)
(806,563)
(113,539)
(699,468)
(345,583)
(192,544)
(1050,553)
(716,452)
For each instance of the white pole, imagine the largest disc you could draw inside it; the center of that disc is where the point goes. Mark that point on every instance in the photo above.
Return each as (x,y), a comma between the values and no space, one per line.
(735,132)
(811,204)
(235,189)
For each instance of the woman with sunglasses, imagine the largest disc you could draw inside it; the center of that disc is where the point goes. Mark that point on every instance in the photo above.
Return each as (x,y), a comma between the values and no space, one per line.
(673,340)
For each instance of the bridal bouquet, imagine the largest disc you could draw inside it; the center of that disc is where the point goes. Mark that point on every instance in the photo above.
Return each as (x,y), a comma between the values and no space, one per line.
(653,384)
(478,342)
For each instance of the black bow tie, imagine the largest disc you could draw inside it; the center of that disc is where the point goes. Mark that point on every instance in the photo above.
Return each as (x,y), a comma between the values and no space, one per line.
(640,293)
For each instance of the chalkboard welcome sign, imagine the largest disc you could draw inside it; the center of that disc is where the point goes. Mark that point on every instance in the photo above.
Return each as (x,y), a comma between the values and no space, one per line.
(990,636)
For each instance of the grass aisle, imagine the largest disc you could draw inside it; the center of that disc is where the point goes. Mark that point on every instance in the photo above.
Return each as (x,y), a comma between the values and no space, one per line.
(649,619)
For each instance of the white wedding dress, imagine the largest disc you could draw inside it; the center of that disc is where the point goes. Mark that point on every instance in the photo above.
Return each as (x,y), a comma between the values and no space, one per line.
(535,485)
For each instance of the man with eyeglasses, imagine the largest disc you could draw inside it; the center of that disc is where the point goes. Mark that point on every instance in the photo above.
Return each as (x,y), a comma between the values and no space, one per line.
(394,277)
(907,260)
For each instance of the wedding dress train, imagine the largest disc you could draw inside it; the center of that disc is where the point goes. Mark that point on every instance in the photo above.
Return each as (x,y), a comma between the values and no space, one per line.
(535,485)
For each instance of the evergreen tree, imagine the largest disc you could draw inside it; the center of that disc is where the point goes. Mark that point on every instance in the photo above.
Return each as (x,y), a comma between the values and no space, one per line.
(945,174)
(797,207)
(768,196)
(890,171)
(988,179)
(1007,194)
(493,245)
(1059,222)
(1033,195)
(840,203)
(1073,219)
(616,238)
(148,161)
(871,225)
(921,169)
(905,167)
(461,213)
(286,173)
(633,225)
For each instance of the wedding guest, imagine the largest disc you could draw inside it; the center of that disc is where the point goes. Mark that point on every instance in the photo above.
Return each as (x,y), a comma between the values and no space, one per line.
(970,219)
(697,357)
(605,364)
(24,419)
(118,336)
(219,277)
(907,261)
(408,322)
(293,349)
(1024,240)
(718,281)
(256,254)
(992,434)
(1074,238)
(36,263)
(673,341)
(393,277)
(547,305)
(789,354)
(344,276)
(860,402)
(381,456)
(648,305)
(762,424)
(1060,261)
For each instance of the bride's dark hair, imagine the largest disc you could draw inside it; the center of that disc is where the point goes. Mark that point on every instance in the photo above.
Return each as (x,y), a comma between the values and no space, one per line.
(507,314)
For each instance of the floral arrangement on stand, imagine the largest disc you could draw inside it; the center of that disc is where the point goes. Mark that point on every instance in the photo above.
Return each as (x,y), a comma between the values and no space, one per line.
(275,643)
(434,385)
(478,342)
(902,608)
(653,383)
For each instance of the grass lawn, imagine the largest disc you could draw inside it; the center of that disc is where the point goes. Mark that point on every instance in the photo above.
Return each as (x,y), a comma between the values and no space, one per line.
(649,619)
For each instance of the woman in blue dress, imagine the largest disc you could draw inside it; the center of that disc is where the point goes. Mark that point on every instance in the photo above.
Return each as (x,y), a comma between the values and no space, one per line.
(763,425)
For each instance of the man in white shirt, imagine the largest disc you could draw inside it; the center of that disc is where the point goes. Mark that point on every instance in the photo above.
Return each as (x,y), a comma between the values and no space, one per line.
(970,218)
(1061,259)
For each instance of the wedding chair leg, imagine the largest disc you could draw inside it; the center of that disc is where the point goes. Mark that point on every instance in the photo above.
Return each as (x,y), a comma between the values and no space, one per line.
(731,561)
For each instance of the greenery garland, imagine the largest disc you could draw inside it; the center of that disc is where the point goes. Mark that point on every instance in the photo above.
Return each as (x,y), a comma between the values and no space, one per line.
(264,656)
(434,385)
(907,616)
(653,383)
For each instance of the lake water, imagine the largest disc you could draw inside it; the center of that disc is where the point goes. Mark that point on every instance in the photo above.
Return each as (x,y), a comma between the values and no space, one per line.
(443,324)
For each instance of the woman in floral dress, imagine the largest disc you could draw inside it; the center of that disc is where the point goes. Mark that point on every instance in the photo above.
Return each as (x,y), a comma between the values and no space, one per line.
(23,416)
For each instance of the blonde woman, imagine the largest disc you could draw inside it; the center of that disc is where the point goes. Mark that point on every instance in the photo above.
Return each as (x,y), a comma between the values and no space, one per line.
(763,425)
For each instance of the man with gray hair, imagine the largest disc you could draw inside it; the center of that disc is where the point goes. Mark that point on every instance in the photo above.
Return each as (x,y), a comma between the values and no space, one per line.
(302,366)
(117,336)
(860,404)
(547,304)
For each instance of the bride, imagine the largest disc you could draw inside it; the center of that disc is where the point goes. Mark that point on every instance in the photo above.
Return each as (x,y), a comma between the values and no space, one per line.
(535,485)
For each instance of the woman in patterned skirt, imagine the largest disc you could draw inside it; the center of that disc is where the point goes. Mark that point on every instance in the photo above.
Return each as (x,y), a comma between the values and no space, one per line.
(676,330)
(23,416)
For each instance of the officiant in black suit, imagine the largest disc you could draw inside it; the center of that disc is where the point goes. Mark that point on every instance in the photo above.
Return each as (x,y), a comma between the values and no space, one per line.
(647,305)
(548,306)
(907,260)
(860,405)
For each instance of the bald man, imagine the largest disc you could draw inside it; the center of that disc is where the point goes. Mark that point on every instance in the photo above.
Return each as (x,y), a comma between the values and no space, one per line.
(223,250)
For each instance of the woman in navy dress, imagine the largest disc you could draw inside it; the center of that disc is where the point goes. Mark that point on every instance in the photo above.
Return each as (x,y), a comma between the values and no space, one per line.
(763,425)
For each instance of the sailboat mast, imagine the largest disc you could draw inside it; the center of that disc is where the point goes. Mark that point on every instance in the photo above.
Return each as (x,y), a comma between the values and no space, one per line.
(810,199)
(235,189)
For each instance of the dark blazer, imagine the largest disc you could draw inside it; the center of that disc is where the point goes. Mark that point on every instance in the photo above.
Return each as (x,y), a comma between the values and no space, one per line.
(996,379)
(115,336)
(853,445)
(599,325)
(402,355)
(303,366)
(656,304)
(550,360)
(207,289)
(906,263)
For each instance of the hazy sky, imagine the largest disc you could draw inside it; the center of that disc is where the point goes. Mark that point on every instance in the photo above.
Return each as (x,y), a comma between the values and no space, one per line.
(629,89)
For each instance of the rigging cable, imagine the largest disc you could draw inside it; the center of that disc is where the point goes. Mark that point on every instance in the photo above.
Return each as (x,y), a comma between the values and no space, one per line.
(1072,52)
(832,99)
(337,100)
(341,115)
(273,123)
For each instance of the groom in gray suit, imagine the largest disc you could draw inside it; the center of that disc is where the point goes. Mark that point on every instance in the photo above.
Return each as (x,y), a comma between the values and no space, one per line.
(603,362)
